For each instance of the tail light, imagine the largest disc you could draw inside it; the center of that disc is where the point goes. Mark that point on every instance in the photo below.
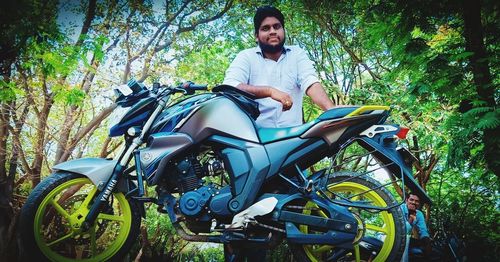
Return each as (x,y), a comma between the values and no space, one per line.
(403,131)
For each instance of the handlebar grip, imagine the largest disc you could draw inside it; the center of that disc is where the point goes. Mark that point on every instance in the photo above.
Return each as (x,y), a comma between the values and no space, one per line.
(198,87)
(192,86)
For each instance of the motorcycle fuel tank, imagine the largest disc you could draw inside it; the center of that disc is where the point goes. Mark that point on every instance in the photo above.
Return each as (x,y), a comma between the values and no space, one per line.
(220,116)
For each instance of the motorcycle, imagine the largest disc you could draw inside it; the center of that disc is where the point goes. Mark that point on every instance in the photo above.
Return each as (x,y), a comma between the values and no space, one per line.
(222,179)
(445,246)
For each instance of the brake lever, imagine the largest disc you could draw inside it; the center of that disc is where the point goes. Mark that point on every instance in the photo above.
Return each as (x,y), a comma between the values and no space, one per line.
(179,89)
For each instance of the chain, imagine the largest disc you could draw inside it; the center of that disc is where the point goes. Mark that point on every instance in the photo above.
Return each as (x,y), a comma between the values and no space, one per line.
(303,208)
(269,227)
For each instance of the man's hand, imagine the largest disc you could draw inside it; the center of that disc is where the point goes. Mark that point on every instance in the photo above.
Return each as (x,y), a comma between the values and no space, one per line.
(268,91)
(412,215)
(281,97)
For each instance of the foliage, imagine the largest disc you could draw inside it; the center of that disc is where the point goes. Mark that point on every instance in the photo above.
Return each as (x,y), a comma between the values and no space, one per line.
(206,64)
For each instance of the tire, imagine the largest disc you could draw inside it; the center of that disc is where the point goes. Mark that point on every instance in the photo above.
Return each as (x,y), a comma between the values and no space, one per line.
(386,228)
(49,221)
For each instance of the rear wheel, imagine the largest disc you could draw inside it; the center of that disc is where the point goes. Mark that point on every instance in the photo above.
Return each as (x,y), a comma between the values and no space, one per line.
(52,216)
(386,229)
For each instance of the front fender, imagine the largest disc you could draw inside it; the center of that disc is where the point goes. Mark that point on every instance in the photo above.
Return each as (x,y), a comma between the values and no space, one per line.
(98,170)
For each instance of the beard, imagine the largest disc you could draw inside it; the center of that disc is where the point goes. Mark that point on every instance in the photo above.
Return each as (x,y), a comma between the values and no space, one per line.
(266,48)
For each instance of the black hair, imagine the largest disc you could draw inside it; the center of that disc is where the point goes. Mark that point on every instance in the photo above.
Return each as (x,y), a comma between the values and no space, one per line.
(411,193)
(267,11)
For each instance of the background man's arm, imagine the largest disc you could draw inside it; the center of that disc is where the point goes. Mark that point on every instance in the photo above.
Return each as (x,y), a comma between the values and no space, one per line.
(318,95)
(421,226)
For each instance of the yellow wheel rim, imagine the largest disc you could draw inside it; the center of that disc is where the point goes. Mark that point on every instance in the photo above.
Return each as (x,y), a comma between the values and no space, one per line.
(57,220)
(380,225)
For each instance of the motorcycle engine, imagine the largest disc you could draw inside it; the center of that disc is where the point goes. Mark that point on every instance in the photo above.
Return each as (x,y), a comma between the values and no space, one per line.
(195,196)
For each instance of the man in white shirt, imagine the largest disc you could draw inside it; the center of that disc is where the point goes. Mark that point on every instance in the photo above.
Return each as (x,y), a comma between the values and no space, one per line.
(278,75)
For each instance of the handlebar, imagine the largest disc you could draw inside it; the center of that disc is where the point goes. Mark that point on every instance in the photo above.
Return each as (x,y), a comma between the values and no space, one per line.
(186,88)
(190,87)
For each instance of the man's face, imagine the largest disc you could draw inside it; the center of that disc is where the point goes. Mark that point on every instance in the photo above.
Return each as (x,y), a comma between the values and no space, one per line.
(413,202)
(271,35)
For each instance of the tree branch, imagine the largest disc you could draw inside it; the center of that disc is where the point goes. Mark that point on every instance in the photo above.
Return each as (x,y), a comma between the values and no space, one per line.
(206,20)
(96,121)
(89,16)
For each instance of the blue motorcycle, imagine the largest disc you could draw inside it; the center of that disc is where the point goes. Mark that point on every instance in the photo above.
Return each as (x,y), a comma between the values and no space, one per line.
(222,179)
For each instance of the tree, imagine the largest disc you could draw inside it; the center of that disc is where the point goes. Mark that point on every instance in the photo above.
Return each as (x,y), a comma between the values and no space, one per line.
(21,22)
(41,77)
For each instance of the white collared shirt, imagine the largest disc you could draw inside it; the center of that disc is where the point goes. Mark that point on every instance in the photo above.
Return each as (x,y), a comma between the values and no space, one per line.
(293,73)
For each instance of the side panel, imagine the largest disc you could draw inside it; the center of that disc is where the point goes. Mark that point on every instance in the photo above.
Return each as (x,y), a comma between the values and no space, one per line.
(332,130)
(247,164)
(307,154)
(239,165)
(220,117)
(287,152)
(162,147)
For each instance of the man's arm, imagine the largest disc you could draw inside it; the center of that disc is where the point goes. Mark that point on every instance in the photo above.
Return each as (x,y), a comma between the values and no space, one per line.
(318,95)
(423,233)
(267,91)
(308,81)
(237,75)
(421,226)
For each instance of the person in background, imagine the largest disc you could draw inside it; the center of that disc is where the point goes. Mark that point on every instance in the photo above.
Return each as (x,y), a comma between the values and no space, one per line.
(414,219)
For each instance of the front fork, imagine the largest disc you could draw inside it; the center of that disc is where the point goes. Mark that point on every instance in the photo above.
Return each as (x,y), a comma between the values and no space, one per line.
(120,168)
(106,191)
(102,198)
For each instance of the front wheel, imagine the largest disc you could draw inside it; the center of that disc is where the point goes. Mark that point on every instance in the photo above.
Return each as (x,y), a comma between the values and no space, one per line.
(52,216)
(384,232)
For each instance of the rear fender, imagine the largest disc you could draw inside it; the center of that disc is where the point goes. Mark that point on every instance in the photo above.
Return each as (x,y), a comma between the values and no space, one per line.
(388,154)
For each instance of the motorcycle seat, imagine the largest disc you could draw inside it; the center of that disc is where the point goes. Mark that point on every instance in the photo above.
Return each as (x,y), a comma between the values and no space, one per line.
(268,135)
(337,112)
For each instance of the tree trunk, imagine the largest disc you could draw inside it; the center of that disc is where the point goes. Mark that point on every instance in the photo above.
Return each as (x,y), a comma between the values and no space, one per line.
(41,140)
(71,115)
(7,218)
(474,43)
(4,134)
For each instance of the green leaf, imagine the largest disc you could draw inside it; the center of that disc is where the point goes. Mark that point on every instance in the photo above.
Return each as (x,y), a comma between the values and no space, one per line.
(490,120)
(477,111)
(461,56)
(75,96)
(7,91)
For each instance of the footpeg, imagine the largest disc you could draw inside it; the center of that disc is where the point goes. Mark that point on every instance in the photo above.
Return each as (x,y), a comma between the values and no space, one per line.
(263,207)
